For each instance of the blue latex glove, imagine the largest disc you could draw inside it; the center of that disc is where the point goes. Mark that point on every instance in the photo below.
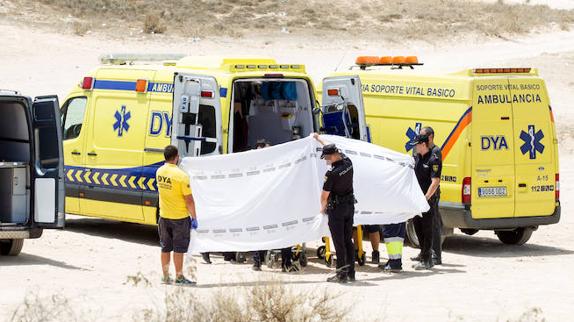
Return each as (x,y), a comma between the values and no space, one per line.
(194,223)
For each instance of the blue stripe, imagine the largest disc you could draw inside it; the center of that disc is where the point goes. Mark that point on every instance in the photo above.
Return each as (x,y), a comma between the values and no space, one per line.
(115,85)
(151,86)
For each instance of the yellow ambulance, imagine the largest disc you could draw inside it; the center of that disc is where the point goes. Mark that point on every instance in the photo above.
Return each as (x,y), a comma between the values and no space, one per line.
(118,119)
(496,130)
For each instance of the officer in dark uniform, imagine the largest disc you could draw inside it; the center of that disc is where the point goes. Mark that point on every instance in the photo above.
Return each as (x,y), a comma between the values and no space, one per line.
(338,202)
(437,232)
(428,166)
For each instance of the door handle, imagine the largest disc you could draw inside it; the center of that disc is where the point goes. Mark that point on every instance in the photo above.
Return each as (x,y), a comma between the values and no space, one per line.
(522,185)
(76,152)
(92,154)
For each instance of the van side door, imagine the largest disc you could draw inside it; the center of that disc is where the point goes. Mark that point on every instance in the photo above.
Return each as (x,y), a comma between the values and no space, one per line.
(343,108)
(48,164)
(196,123)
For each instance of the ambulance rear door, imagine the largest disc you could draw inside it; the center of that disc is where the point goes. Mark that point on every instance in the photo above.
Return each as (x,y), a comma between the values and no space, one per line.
(48,172)
(492,165)
(535,143)
(196,128)
(343,108)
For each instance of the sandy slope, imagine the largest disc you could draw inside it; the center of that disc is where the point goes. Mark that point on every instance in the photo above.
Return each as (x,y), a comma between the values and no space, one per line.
(481,279)
(556,4)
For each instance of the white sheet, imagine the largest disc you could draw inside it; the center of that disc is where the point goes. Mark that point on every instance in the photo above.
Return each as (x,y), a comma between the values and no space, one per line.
(269,198)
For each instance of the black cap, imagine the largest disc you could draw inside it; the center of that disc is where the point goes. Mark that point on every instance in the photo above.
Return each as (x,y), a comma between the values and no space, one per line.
(329,149)
(420,139)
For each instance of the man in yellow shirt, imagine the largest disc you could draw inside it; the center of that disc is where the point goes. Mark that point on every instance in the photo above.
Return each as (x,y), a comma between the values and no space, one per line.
(176,205)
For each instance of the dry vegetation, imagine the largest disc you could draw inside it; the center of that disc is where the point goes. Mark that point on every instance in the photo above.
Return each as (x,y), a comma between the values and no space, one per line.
(388,20)
(270,302)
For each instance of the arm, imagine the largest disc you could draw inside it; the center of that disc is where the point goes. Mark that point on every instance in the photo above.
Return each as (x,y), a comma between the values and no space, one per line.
(316,137)
(190,204)
(435,182)
(324,200)
(436,170)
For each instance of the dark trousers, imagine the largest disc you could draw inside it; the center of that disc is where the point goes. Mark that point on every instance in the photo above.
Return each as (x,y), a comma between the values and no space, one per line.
(341,227)
(425,229)
(258,257)
(286,256)
(437,234)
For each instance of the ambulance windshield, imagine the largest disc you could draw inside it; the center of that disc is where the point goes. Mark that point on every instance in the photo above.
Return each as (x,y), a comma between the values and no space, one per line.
(275,110)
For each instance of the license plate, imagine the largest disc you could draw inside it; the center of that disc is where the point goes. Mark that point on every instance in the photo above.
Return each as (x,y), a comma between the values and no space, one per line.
(489,192)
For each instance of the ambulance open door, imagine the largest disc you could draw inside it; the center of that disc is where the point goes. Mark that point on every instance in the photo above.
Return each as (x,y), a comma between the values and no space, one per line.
(196,128)
(343,108)
(48,164)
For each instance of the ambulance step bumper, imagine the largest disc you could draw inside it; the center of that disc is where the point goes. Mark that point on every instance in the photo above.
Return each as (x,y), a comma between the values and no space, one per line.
(455,216)
(14,233)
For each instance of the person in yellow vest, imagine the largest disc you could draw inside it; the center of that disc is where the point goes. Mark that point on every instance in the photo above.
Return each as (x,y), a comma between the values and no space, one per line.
(177,215)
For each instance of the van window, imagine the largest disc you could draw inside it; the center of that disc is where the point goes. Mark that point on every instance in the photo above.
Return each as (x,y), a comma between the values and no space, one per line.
(48,149)
(207,120)
(73,117)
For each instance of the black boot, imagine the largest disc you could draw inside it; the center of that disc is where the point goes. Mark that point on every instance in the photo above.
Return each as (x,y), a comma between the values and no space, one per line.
(338,278)
(351,276)
(376,257)
(392,266)
(416,258)
(206,258)
(423,266)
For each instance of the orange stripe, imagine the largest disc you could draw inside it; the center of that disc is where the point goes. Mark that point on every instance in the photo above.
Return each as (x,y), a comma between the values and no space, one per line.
(447,146)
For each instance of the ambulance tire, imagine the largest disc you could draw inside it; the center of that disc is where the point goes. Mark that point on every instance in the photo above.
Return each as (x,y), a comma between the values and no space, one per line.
(11,247)
(519,236)
(411,238)
(321,252)
(468,231)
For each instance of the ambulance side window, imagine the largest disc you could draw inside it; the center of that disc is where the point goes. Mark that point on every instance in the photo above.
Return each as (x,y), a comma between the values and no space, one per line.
(209,129)
(73,117)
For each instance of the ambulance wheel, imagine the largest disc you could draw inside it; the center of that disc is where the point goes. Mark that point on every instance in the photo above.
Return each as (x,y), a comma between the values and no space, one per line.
(329,261)
(412,239)
(11,247)
(519,236)
(411,235)
(321,252)
(361,260)
(468,231)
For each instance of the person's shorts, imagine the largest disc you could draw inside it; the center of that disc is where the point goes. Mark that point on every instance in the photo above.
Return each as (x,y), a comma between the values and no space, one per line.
(174,234)
(372,228)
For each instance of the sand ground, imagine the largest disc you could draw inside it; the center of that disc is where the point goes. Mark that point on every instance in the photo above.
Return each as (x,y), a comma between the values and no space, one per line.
(481,280)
